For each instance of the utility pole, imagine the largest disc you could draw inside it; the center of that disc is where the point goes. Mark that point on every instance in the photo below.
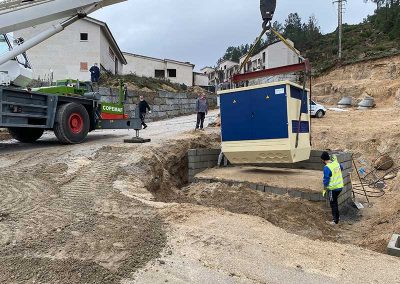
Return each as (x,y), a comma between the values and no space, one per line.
(341,4)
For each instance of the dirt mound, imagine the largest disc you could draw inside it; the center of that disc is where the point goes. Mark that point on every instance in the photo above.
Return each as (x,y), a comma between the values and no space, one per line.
(294,215)
(376,78)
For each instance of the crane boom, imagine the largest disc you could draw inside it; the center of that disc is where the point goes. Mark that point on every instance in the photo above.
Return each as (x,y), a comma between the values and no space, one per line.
(18,14)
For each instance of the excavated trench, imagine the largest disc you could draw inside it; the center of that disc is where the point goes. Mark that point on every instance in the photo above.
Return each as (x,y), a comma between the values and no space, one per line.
(167,180)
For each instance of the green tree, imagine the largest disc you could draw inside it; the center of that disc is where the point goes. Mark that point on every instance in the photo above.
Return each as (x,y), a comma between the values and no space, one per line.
(271,37)
(293,29)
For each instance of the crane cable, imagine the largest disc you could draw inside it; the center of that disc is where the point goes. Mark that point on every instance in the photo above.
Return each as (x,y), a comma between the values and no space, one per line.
(253,48)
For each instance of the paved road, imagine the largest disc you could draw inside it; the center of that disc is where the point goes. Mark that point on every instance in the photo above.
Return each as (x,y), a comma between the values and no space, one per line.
(158,131)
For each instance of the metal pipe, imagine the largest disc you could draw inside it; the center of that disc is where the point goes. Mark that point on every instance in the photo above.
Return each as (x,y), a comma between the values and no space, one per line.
(359,177)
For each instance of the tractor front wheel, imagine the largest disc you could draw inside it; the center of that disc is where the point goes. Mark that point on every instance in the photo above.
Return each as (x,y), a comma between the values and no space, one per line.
(72,123)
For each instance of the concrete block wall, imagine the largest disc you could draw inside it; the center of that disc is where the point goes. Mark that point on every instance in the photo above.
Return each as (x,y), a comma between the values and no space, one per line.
(163,104)
(315,163)
(201,159)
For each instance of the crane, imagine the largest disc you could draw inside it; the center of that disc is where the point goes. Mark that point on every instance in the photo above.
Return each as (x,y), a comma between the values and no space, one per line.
(70,111)
(19,14)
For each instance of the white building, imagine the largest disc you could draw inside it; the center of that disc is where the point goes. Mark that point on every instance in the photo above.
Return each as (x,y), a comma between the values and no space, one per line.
(227,69)
(145,66)
(71,53)
(212,75)
(274,55)
(200,79)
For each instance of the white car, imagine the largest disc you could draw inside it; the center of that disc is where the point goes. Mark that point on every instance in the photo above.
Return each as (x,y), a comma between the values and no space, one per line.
(317,110)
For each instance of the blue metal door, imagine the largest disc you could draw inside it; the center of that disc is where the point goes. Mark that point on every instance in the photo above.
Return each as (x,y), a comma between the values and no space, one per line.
(254,114)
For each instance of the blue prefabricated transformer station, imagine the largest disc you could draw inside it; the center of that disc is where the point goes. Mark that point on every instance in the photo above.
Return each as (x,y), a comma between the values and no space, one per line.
(267,123)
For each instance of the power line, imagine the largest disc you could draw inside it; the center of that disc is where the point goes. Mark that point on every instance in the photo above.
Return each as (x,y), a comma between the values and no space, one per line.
(341,8)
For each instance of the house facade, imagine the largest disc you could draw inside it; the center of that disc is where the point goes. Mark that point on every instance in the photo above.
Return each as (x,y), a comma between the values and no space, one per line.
(200,79)
(274,55)
(145,66)
(70,53)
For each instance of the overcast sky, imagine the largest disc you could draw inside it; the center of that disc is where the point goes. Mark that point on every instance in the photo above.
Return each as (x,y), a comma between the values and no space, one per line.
(199,31)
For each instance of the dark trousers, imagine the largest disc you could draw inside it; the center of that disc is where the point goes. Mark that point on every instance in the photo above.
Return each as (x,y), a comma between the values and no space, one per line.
(333,200)
(142,116)
(200,120)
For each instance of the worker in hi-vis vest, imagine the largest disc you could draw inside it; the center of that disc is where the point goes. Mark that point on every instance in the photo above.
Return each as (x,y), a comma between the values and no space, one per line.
(333,183)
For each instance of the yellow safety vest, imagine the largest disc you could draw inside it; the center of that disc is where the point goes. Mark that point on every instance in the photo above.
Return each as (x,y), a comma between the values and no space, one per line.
(336,180)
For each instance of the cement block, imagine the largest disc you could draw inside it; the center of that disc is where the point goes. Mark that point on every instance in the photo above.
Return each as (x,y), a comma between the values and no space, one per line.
(315,197)
(208,151)
(306,196)
(209,158)
(277,190)
(253,186)
(393,247)
(261,187)
(192,152)
(194,159)
(193,172)
(295,193)
(196,166)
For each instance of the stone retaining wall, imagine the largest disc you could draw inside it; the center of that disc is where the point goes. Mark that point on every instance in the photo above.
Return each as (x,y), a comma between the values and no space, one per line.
(163,104)
(202,159)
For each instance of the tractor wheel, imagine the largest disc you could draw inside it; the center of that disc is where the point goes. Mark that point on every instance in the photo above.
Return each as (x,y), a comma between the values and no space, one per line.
(72,123)
(25,135)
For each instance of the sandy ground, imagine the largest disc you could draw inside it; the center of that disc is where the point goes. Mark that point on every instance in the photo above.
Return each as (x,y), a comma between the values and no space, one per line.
(213,246)
(367,134)
(305,180)
(107,212)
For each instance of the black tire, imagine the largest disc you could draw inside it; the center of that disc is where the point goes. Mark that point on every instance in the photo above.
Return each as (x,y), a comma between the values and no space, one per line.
(26,135)
(320,114)
(72,123)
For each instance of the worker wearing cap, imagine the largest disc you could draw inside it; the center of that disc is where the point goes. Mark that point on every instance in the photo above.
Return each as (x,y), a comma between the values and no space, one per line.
(333,183)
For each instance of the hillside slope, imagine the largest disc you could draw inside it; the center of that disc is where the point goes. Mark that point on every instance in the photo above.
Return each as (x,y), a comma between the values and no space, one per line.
(378,78)
(360,42)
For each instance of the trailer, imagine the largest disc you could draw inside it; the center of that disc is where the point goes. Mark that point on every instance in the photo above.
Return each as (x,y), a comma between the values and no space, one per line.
(68,111)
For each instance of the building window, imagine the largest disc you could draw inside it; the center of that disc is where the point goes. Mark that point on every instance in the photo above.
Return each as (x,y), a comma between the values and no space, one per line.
(159,73)
(84,36)
(84,66)
(111,52)
(172,73)
(264,57)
